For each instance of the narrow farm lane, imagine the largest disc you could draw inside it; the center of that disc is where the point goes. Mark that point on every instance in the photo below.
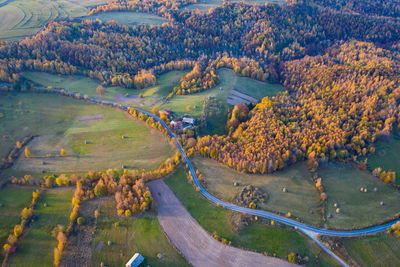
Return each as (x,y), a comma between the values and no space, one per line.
(198,247)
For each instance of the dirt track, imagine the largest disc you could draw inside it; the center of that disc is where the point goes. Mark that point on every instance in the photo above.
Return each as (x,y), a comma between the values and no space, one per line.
(198,247)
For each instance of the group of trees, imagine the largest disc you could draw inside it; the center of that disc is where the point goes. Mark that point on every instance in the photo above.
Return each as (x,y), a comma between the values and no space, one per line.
(150,6)
(335,108)
(204,74)
(26,214)
(385,176)
(267,34)
(364,7)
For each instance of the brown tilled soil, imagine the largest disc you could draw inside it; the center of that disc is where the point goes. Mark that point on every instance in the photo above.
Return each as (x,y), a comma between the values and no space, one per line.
(78,251)
(198,247)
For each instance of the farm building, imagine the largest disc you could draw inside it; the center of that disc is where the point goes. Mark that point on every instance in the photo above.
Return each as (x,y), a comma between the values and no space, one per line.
(135,261)
(188,120)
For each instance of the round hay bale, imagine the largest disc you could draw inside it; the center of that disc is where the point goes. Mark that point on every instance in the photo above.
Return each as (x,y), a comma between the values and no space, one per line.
(337,210)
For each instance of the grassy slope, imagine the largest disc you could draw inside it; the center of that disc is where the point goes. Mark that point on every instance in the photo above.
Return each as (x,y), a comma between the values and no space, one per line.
(129,18)
(14,199)
(205,5)
(379,250)
(387,156)
(257,237)
(26,17)
(59,127)
(216,120)
(342,184)
(75,83)
(84,85)
(141,234)
(229,81)
(301,196)
(36,248)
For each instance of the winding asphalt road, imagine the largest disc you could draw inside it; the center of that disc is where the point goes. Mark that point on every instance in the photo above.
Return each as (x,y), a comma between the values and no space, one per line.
(259,213)
(307,229)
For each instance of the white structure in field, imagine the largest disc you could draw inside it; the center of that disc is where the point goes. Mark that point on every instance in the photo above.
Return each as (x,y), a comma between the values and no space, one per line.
(135,261)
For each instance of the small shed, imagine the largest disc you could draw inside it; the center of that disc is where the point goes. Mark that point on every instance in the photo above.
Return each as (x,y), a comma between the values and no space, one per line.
(135,261)
(188,120)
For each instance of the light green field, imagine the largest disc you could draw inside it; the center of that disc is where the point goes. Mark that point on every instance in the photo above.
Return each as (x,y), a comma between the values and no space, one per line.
(20,18)
(342,185)
(128,18)
(61,123)
(14,199)
(36,248)
(155,96)
(379,250)
(206,5)
(229,81)
(151,96)
(141,234)
(257,236)
(74,83)
(301,198)
(387,156)
(216,118)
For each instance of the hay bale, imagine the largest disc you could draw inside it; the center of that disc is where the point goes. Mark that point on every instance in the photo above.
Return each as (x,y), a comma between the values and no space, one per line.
(337,210)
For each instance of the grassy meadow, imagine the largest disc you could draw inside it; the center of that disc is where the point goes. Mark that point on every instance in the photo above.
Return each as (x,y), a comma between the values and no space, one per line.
(156,95)
(141,233)
(380,250)
(387,156)
(13,200)
(25,17)
(342,184)
(36,248)
(128,18)
(301,198)
(257,236)
(92,143)
(206,5)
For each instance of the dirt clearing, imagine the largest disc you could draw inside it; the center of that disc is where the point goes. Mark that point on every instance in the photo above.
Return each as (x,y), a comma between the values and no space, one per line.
(198,247)
(95,117)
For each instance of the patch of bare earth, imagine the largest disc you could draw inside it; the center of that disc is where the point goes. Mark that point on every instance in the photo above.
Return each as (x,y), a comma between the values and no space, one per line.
(95,117)
(78,251)
(126,99)
(198,247)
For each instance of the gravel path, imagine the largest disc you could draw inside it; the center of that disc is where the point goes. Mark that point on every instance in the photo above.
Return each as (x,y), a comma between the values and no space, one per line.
(198,247)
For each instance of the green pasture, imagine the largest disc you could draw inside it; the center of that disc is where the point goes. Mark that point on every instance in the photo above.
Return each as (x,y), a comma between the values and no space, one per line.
(301,198)
(386,156)
(342,184)
(206,5)
(194,104)
(379,250)
(13,200)
(25,17)
(91,143)
(257,236)
(36,248)
(142,234)
(128,18)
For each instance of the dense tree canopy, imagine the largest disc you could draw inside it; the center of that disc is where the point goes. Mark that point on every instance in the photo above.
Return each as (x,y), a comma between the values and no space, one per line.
(335,107)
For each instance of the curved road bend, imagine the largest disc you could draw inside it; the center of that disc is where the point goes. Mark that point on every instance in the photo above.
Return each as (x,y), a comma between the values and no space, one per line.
(308,229)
